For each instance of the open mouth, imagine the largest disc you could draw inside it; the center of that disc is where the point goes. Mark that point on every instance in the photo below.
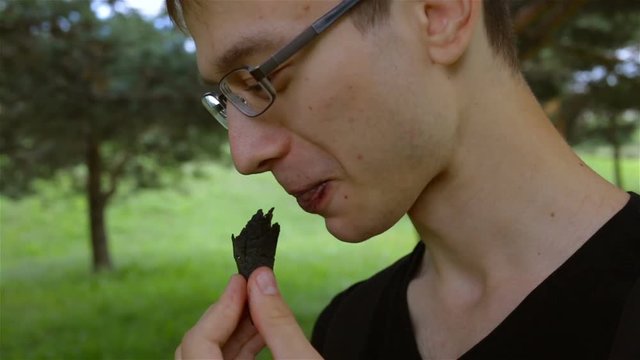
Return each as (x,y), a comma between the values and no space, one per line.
(310,199)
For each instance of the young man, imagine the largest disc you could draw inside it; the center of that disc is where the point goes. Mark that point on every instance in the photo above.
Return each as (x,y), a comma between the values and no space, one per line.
(415,107)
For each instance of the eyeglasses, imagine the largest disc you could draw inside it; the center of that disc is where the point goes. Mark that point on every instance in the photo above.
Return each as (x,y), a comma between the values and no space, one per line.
(248,89)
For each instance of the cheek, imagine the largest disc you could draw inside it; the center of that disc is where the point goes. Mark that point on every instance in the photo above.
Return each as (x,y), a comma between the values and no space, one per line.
(325,111)
(352,116)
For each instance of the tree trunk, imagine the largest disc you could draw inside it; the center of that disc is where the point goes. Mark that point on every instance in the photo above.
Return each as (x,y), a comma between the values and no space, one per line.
(97,204)
(612,130)
(617,171)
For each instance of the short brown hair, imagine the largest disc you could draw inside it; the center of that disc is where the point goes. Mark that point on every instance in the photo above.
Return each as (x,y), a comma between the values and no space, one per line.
(499,27)
(370,13)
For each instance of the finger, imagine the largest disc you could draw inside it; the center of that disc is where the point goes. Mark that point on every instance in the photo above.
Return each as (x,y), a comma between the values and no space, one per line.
(215,326)
(243,334)
(178,354)
(274,320)
(251,348)
(221,319)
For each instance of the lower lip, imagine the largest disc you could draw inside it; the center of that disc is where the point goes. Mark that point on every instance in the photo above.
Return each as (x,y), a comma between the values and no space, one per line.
(312,200)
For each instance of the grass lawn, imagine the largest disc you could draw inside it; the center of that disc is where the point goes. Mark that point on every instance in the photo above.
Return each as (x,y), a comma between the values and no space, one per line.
(172,252)
(604,166)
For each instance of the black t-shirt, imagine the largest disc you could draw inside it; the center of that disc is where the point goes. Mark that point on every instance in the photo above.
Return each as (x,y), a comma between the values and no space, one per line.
(588,308)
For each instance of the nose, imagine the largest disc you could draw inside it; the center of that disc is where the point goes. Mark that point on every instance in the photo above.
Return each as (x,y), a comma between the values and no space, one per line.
(256,144)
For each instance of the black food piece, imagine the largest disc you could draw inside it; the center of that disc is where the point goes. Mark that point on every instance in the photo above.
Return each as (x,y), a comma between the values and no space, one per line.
(256,244)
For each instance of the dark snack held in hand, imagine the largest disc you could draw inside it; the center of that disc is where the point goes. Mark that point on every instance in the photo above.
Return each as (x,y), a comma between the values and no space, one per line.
(256,244)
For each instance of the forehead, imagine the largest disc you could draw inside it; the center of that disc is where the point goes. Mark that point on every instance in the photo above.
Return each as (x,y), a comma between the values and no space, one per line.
(261,26)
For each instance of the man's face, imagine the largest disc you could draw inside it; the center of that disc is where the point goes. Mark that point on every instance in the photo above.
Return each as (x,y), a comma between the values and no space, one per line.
(354,132)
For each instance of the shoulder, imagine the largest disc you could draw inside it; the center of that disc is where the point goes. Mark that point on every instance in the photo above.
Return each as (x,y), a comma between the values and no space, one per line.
(626,220)
(625,345)
(353,309)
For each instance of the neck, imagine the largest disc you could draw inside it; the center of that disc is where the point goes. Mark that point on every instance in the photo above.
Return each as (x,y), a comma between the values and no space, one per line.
(514,200)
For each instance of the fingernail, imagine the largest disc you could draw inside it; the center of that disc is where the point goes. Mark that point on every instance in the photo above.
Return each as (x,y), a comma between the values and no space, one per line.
(267,283)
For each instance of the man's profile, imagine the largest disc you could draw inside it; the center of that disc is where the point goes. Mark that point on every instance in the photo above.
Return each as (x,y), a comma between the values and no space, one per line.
(369,110)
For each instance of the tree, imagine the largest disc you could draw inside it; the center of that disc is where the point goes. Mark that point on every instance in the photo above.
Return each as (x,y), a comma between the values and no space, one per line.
(582,59)
(116,95)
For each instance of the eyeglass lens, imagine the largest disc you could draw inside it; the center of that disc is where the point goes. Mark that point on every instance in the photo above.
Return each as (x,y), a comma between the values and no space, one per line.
(241,88)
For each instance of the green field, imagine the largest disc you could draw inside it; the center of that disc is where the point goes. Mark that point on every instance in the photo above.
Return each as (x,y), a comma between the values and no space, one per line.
(172,253)
(172,250)
(604,166)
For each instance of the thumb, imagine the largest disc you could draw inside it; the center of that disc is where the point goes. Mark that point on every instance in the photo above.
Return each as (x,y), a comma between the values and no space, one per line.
(274,320)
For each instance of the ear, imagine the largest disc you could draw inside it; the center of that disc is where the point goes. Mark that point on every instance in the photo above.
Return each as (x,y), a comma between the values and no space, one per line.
(448,26)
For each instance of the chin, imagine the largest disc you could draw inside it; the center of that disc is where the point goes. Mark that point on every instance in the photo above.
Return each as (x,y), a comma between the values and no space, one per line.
(352,231)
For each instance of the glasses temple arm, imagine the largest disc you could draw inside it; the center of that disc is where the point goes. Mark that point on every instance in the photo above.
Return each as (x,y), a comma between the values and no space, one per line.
(302,39)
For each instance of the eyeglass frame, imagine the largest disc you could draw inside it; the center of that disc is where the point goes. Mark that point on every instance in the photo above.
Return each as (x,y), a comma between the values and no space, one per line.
(261,72)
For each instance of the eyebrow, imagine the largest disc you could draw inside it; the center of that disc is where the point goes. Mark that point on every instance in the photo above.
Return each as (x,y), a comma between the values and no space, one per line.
(244,48)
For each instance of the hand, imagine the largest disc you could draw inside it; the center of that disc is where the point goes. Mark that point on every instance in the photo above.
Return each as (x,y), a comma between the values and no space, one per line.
(223,333)
(225,330)
(274,320)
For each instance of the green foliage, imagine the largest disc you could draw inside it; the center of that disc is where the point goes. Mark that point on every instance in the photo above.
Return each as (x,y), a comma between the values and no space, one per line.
(589,66)
(67,77)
